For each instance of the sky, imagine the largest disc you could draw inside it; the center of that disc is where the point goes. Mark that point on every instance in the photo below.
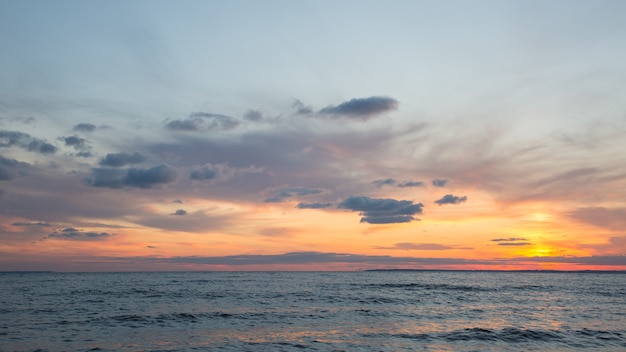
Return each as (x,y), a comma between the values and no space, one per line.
(312,135)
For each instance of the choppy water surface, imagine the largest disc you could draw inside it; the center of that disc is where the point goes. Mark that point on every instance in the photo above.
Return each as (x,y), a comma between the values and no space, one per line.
(368,311)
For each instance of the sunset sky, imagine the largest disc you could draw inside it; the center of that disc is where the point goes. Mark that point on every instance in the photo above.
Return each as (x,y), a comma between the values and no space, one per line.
(312,135)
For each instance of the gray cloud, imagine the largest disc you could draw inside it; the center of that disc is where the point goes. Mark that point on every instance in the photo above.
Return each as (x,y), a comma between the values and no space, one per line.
(203,121)
(280,194)
(514,244)
(84,127)
(411,184)
(134,177)
(361,108)
(25,141)
(253,115)
(438,182)
(122,159)
(301,109)
(383,182)
(450,199)
(419,246)
(382,211)
(317,257)
(591,260)
(179,212)
(32,223)
(510,239)
(72,234)
(314,205)
(10,168)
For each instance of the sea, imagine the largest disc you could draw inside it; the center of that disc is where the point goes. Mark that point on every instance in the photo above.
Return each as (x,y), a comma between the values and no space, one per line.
(313,311)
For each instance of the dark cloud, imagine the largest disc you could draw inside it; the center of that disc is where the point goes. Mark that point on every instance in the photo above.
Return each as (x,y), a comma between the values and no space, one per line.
(383,182)
(314,205)
(134,177)
(253,115)
(10,168)
(591,260)
(361,108)
(203,121)
(179,212)
(41,147)
(514,244)
(280,194)
(84,127)
(25,141)
(510,239)
(450,199)
(220,172)
(608,218)
(439,182)
(419,246)
(32,223)
(72,234)
(177,201)
(411,184)
(301,109)
(122,159)
(382,211)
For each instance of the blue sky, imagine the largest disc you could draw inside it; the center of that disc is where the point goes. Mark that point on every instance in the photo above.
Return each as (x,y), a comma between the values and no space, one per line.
(275,113)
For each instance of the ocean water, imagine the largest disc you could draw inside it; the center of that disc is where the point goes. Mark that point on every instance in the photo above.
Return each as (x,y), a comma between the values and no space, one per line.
(313,311)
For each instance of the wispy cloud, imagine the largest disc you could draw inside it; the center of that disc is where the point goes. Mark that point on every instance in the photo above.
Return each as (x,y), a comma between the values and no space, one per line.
(72,234)
(361,108)
(203,121)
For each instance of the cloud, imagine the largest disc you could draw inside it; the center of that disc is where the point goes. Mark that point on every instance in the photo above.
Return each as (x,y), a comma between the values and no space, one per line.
(203,121)
(10,168)
(301,109)
(314,205)
(72,234)
(608,218)
(512,241)
(294,258)
(84,127)
(439,182)
(220,172)
(79,144)
(179,212)
(387,181)
(361,108)
(411,184)
(122,159)
(591,260)
(382,211)
(253,115)
(280,194)
(419,246)
(134,177)
(32,223)
(450,199)
(25,141)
